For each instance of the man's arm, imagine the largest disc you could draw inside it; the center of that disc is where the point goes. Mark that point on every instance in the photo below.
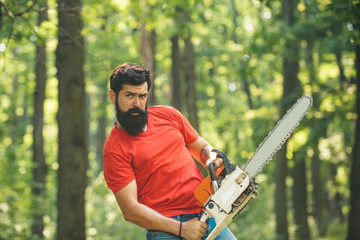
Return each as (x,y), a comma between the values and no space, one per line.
(148,218)
(202,152)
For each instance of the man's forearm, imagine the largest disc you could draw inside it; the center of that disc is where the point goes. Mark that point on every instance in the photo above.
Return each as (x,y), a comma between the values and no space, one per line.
(149,219)
(200,150)
(142,215)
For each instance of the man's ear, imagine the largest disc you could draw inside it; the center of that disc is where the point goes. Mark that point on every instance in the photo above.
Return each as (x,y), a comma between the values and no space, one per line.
(112,96)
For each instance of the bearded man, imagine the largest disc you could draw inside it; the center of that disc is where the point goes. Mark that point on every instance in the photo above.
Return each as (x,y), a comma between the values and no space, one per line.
(148,161)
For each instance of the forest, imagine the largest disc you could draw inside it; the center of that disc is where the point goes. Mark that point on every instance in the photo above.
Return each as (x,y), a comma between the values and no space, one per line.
(233,68)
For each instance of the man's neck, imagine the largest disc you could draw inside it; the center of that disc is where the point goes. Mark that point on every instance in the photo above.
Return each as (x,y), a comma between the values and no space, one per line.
(118,125)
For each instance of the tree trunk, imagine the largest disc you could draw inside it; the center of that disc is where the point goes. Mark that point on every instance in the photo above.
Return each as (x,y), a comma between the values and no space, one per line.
(291,86)
(319,127)
(243,64)
(299,198)
(342,77)
(72,121)
(190,80)
(191,98)
(101,131)
(319,211)
(190,77)
(175,72)
(40,167)
(234,20)
(354,215)
(281,170)
(148,55)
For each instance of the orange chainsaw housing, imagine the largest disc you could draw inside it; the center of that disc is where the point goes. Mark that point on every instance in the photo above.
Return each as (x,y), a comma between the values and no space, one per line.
(205,189)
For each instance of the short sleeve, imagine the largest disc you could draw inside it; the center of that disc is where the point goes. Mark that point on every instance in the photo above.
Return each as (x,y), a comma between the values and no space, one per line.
(189,133)
(118,170)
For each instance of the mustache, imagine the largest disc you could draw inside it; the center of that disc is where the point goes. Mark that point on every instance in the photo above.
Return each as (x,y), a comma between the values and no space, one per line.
(136,110)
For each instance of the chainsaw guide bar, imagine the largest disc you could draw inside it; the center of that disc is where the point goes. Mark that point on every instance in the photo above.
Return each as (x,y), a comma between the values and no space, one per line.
(277,137)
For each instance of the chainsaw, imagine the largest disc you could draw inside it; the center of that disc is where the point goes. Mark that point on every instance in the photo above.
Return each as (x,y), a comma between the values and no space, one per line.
(226,192)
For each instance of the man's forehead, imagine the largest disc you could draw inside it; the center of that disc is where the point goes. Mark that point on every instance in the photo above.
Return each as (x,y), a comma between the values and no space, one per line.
(142,88)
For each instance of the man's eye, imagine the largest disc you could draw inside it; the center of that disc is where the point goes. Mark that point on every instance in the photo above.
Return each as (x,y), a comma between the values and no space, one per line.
(129,95)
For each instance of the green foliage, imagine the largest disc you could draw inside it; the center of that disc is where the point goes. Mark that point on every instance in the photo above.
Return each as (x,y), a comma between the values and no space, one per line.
(260,211)
(236,47)
(105,220)
(336,231)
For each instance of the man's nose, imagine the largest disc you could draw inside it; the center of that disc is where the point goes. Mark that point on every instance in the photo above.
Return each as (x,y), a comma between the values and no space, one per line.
(136,102)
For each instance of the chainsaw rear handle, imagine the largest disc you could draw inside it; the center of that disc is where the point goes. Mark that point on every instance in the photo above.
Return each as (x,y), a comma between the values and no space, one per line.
(229,167)
(214,181)
(212,171)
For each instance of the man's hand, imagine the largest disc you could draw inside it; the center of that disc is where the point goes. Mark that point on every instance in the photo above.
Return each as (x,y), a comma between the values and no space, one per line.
(193,229)
(214,157)
(207,156)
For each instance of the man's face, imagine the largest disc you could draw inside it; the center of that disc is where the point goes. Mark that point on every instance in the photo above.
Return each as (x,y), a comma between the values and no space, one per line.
(131,96)
(130,106)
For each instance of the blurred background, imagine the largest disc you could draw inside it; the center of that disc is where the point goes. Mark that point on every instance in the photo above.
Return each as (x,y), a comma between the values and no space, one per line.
(233,68)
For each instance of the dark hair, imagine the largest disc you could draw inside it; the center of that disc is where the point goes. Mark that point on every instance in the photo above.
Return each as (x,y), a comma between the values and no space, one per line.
(129,73)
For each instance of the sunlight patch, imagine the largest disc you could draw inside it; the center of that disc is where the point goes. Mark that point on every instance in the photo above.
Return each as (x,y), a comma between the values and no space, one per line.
(2,47)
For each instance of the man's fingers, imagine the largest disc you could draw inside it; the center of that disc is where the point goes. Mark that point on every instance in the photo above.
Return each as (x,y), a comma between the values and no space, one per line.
(218,162)
(204,225)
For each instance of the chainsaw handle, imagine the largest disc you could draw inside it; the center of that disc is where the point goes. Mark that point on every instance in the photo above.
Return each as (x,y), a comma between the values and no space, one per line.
(213,176)
(212,171)
(229,167)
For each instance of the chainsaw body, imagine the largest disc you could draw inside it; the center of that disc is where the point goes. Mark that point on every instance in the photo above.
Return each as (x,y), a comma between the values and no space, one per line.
(234,191)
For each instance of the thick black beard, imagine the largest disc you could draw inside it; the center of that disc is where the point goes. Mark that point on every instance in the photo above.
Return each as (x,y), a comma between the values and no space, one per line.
(132,124)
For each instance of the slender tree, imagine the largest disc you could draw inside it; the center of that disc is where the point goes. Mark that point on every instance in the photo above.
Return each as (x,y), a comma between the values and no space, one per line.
(72,121)
(291,86)
(318,126)
(148,43)
(299,196)
(175,72)
(354,215)
(291,91)
(318,132)
(243,63)
(280,195)
(101,126)
(40,167)
(190,75)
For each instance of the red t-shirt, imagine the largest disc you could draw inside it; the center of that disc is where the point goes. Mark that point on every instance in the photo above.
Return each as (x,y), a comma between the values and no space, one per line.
(165,173)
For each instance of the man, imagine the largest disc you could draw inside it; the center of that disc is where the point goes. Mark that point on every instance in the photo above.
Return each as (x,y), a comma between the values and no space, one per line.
(148,163)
